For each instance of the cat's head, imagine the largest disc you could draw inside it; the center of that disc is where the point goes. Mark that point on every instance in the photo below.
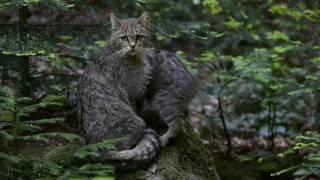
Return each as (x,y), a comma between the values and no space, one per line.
(131,36)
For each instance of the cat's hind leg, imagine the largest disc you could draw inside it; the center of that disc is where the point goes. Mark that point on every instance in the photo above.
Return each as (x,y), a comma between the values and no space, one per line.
(173,129)
(172,115)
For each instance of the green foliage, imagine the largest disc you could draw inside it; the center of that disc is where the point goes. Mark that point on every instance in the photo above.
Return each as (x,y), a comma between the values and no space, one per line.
(91,150)
(60,4)
(309,146)
(213,6)
(16,128)
(274,46)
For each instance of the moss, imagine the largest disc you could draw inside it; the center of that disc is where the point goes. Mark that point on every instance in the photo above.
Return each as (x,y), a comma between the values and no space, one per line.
(136,175)
(252,169)
(186,158)
(62,154)
(235,170)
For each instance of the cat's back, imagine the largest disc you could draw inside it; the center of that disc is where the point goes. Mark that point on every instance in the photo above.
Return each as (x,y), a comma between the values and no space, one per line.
(172,69)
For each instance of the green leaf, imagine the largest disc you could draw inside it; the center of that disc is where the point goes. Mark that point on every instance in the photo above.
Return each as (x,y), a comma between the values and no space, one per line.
(103,178)
(6,136)
(24,100)
(91,150)
(50,104)
(28,127)
(53,98)
(277,36)
(46,121)
(7,116)
(25,111)
(4,124)
(302,172)
(10,158)
(233,24)
(285,170)
(44,137)
(213,6)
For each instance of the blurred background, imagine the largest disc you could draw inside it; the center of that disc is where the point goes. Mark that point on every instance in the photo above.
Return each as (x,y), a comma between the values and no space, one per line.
(259,120)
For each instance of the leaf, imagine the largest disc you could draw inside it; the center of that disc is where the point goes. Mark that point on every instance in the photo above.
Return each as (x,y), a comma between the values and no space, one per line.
(233,24)
(10,158)
(45,136)
(302,172)
(52,167)
(6,136)
(24,100)
(103,178)
(285,170)
(213,6)
(34,138)
(97,169)
(28,127)
(53,98)
(7,116)
(46,121)
(92,149)
(25,111)
(277,36)
(4,124)
(50,104)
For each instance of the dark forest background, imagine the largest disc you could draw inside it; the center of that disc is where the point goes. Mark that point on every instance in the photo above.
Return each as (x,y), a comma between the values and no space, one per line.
(259,120)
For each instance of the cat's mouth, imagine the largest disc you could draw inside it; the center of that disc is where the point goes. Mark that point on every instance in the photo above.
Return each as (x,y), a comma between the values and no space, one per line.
(132,52)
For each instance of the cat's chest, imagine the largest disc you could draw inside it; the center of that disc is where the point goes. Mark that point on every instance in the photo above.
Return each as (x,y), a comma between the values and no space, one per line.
(134,78)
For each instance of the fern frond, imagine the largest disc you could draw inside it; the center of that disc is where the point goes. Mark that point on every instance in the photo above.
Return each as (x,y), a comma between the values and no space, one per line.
(53,98)
(50,104)
(6,116)
(10,158)
(97,169)
(91,150)
(4,124)
(24,111)
(6,137)
(46,121)
(44,137)
(24,100)
(28,127)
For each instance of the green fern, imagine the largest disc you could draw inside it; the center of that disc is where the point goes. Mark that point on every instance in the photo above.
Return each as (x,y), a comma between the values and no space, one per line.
(91,150)
(16,126)
(308,145)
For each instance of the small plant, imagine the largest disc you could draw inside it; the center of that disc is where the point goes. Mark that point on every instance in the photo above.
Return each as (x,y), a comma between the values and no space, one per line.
(16,128)
(309,146)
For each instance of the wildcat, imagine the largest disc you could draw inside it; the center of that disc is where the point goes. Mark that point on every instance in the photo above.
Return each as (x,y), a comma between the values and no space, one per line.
(130,79)
(108,90)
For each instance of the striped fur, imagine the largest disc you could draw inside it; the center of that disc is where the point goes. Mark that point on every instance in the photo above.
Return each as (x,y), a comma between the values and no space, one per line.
(127,80)
(172,88)
(108,91)
(139,156)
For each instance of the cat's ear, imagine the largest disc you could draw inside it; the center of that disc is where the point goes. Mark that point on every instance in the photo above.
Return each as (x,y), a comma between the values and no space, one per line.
(115,22)
(144,20)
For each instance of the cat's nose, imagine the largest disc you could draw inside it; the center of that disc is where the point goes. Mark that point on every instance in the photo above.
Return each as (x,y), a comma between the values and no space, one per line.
(132,45)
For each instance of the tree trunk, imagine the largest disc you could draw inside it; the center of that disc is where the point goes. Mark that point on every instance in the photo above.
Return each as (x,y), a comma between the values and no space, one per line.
(186,158)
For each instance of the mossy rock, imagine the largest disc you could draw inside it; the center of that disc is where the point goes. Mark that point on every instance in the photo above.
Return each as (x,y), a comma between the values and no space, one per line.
(186,158)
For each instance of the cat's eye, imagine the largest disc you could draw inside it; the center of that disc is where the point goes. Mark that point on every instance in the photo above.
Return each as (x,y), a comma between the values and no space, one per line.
(139,37)
(124,38)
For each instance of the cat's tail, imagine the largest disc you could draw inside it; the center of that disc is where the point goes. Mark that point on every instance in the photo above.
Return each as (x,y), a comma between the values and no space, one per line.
(206,69)
(141,155)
